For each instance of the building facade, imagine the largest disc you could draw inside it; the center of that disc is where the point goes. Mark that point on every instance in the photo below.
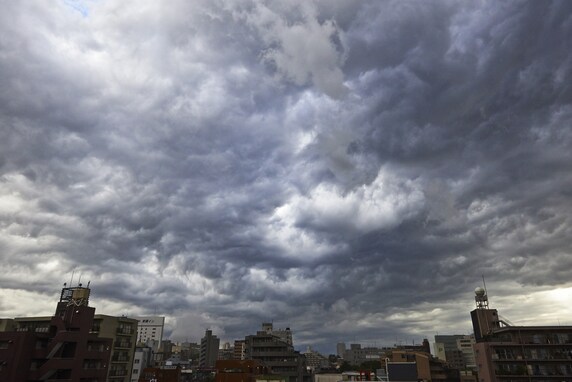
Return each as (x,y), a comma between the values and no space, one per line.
(410,365)
(315,361)
(505,352)
(209,350)
(284,334)
(142,359)
(150,330)
(239,350)
(278,355)
(457,350)
(59,347)
(123,332)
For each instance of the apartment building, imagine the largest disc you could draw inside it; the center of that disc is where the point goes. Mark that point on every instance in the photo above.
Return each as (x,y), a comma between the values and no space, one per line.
(505,352)
(276,354)
(209,350)
(75,344)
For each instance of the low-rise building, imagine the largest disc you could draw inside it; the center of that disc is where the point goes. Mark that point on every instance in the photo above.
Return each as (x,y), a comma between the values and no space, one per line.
(408,365)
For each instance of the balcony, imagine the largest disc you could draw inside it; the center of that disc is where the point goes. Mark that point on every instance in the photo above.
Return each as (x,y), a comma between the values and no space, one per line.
(122,358)
(123,344)
(118,373)
(125,331)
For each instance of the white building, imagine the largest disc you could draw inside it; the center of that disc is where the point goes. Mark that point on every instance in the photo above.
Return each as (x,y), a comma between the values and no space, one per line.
(141,360)
(150,330)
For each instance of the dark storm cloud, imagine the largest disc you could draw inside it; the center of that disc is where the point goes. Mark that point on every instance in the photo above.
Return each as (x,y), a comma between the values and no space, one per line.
(343,169)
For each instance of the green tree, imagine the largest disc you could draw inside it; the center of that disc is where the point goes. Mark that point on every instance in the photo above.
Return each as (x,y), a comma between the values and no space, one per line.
(346,366)
(370,365)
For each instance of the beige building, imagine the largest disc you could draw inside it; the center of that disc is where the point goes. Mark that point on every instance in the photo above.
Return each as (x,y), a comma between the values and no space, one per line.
(123,331)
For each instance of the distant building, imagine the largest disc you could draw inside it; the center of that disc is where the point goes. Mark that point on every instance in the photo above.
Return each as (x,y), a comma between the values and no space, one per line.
(340,349)
(457,350)
(142,359)
(239,350)
(356,354)
(226,351)
(315,361)
(75,344)
(187,351)
(209,350)
(505,352)
(150,330)
(164,352)
(284,334)
(278,355)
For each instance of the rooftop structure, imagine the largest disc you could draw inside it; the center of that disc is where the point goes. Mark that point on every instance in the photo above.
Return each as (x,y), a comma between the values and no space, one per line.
(505,352)
(74,344)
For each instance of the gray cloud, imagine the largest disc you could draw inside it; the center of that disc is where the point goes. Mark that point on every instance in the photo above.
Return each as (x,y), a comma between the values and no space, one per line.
(349,170)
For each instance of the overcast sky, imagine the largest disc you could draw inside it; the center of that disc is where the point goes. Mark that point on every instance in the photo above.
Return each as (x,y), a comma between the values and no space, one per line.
(348,169)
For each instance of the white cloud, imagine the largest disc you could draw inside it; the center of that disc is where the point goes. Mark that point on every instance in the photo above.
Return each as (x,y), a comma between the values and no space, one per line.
(302,48)
(381,205)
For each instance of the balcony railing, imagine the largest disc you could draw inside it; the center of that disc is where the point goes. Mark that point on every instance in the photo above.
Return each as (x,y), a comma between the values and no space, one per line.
(123,344)
(125,331)
(118,373)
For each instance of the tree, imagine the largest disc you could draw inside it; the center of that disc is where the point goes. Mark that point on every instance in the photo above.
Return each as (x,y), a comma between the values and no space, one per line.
(370,365)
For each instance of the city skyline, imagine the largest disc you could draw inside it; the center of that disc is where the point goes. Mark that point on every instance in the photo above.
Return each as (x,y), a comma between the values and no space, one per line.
(350,170)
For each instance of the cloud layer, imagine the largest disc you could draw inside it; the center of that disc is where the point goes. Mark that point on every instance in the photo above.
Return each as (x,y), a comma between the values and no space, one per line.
(349,170)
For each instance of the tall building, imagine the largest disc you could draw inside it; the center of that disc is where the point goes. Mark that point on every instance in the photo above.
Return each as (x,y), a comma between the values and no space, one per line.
(150,330)
(341,349)
(505,352)
(276,354)
(209,350)
(73,345)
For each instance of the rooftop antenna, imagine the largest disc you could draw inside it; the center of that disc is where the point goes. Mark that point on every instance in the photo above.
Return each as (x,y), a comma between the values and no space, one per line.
(485,285)
(71,280)
(79,280)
